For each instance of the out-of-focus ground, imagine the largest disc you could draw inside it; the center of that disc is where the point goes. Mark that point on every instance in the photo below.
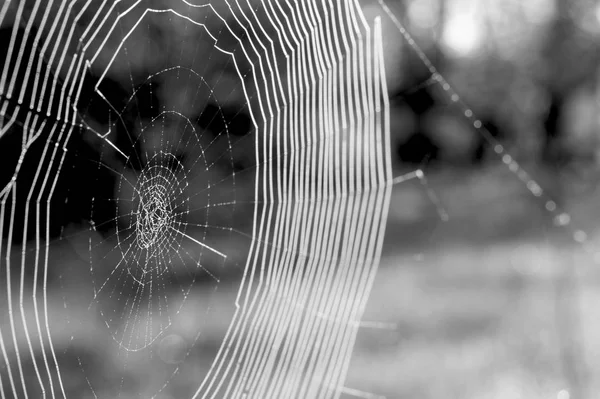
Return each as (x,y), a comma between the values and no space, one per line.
(474,314)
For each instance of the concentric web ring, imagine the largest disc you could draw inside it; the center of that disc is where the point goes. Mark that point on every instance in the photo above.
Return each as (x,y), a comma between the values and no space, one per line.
(246,138)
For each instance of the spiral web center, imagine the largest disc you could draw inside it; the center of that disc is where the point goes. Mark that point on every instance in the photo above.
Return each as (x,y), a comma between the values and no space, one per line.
(154,217)
(158,223)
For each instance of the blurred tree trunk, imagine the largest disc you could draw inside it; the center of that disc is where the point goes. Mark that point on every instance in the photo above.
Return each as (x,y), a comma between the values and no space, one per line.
(555,80)
(569,59)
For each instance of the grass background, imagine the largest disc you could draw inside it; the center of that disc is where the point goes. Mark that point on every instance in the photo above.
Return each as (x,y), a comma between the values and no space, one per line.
(498,302)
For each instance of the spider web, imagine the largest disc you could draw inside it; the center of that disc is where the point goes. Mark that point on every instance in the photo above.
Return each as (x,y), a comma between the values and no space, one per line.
(250,139)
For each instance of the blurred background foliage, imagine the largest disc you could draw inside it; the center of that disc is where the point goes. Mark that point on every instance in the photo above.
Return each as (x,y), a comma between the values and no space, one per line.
(528,69)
